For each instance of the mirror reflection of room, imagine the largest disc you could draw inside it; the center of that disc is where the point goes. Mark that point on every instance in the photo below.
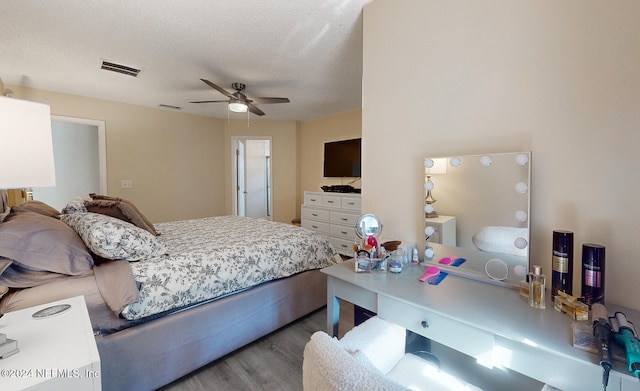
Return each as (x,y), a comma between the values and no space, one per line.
(479,204)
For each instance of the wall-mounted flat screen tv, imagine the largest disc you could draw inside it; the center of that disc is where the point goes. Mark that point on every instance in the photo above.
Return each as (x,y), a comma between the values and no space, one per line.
(342,158)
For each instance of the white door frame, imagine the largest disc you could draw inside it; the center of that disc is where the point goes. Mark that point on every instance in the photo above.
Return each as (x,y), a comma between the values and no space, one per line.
(234,171)
(102,143)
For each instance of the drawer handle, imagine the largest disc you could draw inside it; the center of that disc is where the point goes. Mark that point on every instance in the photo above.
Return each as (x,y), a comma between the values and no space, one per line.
(312,199)
(424,324)
(344,219)
(344,232)
(314,214)
(350,203)
(344,246)
(315,226)
(330,202)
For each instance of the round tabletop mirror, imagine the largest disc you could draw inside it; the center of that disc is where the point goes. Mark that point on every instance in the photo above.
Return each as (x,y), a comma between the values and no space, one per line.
(368,225)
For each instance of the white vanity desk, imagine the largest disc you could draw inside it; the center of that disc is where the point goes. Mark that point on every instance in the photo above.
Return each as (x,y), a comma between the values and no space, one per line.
(479,319)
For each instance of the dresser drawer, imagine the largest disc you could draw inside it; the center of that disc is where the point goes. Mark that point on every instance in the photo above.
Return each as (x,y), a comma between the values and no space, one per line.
(452,333)
(331,201)
(313,199)
(342,246)
(317,226)
(352,203)
(348,219)
(343,232)
(315,214)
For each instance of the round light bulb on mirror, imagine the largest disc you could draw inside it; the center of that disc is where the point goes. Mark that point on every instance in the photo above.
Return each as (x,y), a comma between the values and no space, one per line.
(521,187)
(428,163)
(428,185)
(520,270)
(486,161)
(522,216)
(429,230)
(429,208)
(521,243)
(455,162)
(522,159)
(429,253)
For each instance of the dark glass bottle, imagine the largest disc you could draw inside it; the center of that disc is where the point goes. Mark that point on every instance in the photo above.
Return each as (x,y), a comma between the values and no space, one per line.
(593,273)
(562,263)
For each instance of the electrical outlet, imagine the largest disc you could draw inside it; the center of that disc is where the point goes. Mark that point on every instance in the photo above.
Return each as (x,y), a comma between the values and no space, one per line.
(126,184)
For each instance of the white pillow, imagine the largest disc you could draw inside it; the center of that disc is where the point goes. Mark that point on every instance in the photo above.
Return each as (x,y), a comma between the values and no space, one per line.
(112,238)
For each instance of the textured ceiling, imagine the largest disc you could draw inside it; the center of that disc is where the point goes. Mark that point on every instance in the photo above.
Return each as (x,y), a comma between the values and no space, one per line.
(309,51)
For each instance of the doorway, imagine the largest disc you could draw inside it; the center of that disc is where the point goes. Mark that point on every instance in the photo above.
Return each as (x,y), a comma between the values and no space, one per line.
(79,150)
(252,177)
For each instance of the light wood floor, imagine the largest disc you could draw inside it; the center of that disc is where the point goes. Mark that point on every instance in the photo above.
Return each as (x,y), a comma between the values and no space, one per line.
(271,363)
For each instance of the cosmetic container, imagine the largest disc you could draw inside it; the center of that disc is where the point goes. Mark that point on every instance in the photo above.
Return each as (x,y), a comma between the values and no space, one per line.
(593,273)
(562,263)
(537,286)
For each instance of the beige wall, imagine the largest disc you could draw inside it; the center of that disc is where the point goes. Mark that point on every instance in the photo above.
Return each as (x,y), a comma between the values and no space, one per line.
(313,135)
(180,164)
(557,78)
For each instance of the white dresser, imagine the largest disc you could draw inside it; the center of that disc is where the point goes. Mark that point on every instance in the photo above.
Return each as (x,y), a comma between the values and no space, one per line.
(334,216)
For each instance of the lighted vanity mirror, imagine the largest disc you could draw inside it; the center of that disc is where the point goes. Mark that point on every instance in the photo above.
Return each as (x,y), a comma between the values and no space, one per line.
(368,225)
(476,207)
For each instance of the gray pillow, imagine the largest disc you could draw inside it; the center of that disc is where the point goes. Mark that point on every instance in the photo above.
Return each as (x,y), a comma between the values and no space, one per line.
(41,243)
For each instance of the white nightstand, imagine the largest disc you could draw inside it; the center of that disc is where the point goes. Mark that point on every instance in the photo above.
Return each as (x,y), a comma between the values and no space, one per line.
(56,353)
(445,230)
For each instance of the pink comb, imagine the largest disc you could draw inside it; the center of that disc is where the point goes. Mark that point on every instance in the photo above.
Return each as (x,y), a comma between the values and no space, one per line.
(431,271)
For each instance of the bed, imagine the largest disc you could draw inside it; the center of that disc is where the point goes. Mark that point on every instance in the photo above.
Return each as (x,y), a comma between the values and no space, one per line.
(163,299)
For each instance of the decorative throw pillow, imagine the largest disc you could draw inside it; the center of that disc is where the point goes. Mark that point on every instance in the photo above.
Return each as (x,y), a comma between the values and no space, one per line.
(112,238)
(38,207)
(76,205)
(120,209)
(41,243)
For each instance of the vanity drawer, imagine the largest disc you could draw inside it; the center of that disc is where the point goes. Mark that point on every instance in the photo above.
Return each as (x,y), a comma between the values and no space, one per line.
(317,226)
(452,333)
(313,199)
(343,232)
(342,246)
(352,203)
(347,219)
(331,201)
(315,214)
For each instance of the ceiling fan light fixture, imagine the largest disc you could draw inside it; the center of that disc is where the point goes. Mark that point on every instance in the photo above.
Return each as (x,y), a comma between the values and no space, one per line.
(238,107)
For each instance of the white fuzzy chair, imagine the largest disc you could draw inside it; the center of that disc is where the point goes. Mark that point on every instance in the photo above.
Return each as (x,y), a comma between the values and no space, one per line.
(370,357)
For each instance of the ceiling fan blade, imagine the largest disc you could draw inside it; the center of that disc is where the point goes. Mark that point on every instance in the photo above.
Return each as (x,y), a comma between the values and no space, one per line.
(265,100)
(254,109)
(215,87)
(210,101)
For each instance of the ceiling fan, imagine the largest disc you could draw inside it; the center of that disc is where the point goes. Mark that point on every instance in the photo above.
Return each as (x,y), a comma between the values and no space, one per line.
(239,102)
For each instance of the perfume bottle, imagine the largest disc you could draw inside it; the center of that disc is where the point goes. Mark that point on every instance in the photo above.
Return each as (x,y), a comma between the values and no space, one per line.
(562,263)
(593,273)
(537,286)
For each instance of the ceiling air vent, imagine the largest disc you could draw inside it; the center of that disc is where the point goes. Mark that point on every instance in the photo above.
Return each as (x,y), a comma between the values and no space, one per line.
(119,68)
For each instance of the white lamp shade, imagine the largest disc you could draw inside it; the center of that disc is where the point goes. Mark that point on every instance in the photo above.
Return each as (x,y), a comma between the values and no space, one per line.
(27,147)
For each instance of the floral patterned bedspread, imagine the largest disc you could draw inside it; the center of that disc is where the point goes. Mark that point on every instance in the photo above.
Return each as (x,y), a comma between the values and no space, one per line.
(214,256)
